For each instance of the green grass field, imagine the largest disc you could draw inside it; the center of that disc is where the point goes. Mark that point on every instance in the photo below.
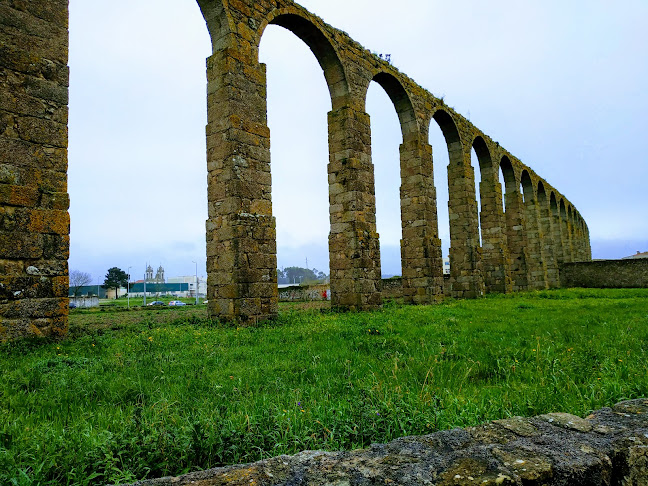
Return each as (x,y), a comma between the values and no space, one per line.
(148,393)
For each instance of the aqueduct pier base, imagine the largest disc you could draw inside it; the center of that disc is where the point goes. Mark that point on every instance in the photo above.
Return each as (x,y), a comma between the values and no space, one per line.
(521,246)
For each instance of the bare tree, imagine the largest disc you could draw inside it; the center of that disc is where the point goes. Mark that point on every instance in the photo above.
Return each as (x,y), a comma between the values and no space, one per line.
(79,279)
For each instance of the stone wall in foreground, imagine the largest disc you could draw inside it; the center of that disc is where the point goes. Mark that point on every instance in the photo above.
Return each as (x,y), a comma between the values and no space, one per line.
(610,447)
(604,274)
(34,220)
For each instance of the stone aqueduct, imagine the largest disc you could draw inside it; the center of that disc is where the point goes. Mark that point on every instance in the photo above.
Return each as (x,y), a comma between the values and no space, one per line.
(521,247)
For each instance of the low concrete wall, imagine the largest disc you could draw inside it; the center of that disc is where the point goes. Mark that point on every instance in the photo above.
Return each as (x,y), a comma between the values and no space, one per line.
(85,302)
(297,293)
(392,289)
(610,447)
(605,274)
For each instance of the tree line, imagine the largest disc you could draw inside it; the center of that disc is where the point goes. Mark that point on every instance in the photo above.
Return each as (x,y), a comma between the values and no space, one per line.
(297,275)
(114,279)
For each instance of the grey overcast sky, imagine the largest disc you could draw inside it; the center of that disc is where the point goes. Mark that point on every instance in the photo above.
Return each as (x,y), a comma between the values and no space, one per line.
(560,84)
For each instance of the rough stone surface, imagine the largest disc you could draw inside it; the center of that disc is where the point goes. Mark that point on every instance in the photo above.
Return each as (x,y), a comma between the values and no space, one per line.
(520,248)
(392,288)
(610,447)
(34,221)
(605,274)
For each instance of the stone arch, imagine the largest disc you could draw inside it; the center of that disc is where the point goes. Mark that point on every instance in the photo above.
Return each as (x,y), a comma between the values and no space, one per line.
(219,24)
(515,224)
(588,247)
(479,158)
(510,179)
(465,252)
(566,229)
(402,103)
(494,255)
(296,119)
(582,241)
(563,208)
(553,202)
(241,230)
(557,228)
(483,153)
(451,134)
(241,249)
(585,241)
(421,255)
(547,231)
(291,19)
(535,251)
(527,185)
(575,233)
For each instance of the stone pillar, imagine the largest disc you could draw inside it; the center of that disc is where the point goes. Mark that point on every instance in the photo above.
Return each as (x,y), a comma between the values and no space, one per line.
(557,235)
(548,243)
(516,237)
(577,240)
(241,235)
(588,247)
(465,252)
(567,237)
(583,242)
(421,253)
(354,246)
(572,237)
(34,219)
(494,247)
(535,250)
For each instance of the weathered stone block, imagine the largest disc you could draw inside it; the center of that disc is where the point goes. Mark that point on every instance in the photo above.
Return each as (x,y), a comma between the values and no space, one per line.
(25,196)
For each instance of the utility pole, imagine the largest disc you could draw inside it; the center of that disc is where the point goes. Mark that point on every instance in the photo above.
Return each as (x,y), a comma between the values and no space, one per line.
(196,281)
(128,288)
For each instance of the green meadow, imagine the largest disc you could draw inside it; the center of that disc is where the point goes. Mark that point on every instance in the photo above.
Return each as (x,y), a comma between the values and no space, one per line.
(155,392)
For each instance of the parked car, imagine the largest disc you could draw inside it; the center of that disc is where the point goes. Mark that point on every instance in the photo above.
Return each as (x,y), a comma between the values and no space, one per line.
(73,305)
(176,303)
(157,302)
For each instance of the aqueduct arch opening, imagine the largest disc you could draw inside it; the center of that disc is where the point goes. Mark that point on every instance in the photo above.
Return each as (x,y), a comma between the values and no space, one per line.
(402,104)
(386,139)
(493,236)
(547,232)
(465,258)
(537,258)
(440,162)
(241,242)
(321,47)
(420,249)
(514,217)
(299,151)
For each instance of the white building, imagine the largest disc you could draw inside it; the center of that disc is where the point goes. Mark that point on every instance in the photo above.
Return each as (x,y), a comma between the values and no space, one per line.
(191,280)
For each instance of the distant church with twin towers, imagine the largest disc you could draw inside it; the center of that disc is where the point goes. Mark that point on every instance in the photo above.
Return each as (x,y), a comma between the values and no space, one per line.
(159,276)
